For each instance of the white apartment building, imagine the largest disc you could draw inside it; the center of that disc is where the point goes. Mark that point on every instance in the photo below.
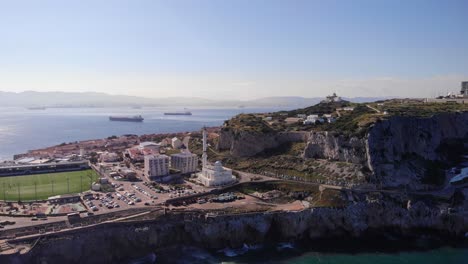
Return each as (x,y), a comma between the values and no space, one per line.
(311,119)
(156,165)
(176,143)
(186,162)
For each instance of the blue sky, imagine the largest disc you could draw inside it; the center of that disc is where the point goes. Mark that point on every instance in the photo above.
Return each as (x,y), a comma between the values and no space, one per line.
(236,49)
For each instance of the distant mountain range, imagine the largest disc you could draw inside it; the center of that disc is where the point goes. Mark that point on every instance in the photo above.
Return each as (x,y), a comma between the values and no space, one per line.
(92,99)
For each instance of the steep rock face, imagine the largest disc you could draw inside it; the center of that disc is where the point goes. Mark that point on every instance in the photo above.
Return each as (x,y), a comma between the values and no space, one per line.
(114,242)
(398,151)
(402,148)
(247,143)
(329,145)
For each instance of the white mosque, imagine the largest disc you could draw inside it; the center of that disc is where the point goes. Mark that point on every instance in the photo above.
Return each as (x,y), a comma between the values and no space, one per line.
(214,175)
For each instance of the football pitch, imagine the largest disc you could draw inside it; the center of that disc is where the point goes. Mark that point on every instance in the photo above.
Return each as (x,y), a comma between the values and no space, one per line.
(42,186)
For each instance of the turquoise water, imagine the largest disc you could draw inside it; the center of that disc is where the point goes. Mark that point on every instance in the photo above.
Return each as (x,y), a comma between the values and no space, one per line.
(437,256)
(297,255)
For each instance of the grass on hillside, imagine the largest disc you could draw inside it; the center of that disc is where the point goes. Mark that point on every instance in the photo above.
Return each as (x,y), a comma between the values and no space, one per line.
(247,122)
(39,186)
(421,109)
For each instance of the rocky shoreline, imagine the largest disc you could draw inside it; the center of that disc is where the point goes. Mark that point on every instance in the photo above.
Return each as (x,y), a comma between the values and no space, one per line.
(399,153)
(114,242)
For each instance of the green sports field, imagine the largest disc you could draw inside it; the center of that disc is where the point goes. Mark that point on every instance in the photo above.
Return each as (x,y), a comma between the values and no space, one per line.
(42,186)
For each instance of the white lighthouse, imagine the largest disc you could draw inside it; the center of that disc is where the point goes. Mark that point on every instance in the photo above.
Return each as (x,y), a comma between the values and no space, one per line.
(213,175)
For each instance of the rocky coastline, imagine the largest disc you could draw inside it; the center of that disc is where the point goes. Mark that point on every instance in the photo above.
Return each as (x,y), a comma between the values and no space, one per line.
(399,151)
(113,242)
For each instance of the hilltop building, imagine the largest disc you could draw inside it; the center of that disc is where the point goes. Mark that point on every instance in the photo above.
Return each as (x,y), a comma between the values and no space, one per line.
(214,175)
(312,119)
(156,165)
(464,89)
(461,98)
(186,162)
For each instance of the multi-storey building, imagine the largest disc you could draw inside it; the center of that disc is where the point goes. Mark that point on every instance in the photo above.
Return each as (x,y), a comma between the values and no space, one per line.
(156,165)
(186,162)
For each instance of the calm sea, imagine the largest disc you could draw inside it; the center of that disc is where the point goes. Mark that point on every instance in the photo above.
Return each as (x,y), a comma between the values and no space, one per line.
(293,255)
(22,129)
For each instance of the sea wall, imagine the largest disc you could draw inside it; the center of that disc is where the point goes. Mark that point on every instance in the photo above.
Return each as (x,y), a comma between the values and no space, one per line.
(115,242)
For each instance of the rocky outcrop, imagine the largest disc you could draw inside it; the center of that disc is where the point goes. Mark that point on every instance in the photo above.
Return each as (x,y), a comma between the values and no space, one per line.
(334,146)
(114,242)
(398,151)
(403,150)
(248,143)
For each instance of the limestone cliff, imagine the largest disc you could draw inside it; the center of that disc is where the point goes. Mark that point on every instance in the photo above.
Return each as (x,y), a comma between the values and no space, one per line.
(334,146)
(250,143)
(114,242)
(404,150)
(398,151)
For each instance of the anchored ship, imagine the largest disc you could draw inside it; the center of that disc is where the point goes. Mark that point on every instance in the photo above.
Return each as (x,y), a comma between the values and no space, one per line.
(178,113)
(36,108)
(138,118)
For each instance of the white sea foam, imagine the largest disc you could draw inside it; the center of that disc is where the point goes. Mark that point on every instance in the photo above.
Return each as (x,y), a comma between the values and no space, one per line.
(283,246)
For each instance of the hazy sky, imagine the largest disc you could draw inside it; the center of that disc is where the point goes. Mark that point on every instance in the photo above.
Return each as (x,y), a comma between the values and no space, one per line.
(235,49)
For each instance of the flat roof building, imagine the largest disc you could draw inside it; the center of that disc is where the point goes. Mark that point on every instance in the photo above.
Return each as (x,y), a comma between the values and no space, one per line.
(186,162)
(464,89)
(150,145)
(64,198)
(43,168)
(156,165)
(109,157)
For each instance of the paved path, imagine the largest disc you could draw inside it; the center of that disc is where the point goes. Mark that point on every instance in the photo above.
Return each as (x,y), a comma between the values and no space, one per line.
(373,108)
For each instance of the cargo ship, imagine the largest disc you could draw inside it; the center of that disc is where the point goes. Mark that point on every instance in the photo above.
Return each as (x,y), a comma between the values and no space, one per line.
(36,108)
(138,118)
(178,113)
